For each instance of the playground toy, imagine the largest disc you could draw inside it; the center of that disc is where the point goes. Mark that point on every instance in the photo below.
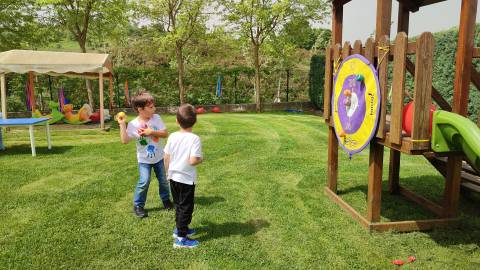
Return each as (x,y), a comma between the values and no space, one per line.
(200,110)
(54,116)
(407,116)
(216,109)
(454,145)
(82,117)
(355,101)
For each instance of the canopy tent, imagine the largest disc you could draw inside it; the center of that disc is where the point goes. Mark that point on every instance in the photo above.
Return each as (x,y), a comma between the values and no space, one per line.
(85,65)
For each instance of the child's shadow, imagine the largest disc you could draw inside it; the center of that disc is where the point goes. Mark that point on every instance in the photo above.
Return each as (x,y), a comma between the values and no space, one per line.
(214,230)
(207,200)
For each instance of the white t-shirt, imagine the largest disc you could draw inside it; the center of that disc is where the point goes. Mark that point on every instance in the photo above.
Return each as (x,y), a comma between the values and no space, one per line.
(181,146)
(149,148)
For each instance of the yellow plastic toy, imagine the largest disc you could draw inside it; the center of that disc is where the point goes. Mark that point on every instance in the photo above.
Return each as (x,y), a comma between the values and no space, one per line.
(81,117)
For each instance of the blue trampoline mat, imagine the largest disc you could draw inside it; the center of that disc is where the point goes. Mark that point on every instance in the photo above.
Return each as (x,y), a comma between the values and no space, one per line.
(22,121)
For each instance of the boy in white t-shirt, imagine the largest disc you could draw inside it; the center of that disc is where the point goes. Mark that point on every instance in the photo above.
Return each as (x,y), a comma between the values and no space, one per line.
(183,152)
(147,129)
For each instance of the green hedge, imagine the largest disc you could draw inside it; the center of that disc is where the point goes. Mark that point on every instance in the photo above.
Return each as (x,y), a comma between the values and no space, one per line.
(200,84)
(316,80)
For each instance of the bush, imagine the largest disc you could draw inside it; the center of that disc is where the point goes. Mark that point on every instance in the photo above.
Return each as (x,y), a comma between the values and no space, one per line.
(316,80)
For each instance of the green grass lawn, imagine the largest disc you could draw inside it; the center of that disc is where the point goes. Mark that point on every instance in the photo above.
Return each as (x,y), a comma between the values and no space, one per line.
(259,204)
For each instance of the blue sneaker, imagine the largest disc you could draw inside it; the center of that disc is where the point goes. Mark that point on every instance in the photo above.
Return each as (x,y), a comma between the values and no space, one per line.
(190,232)
(185,242)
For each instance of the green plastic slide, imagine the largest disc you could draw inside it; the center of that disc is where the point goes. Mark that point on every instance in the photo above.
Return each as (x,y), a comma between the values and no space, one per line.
(453,132)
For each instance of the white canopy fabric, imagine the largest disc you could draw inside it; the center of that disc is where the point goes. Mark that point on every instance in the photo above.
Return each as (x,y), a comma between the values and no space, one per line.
(55,63)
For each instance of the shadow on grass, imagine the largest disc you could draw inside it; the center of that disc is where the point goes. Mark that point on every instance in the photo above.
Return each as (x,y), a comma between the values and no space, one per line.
(208,200)
(397,208)
(40,150)
(215,230)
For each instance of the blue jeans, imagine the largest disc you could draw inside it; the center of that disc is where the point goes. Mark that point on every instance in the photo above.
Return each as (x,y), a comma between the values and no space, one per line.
(141,190)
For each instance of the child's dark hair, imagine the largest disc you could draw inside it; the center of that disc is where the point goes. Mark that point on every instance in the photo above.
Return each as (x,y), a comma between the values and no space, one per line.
(186,116)
(141,99)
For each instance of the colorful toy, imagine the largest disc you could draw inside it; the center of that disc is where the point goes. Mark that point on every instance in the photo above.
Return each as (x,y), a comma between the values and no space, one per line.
(200,110)
(408,117)
(54,116)
(216,109)
(82,117)
(355,103)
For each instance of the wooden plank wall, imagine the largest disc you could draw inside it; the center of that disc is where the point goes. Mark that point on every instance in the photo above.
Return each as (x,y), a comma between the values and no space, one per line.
(423,86)
(398,88)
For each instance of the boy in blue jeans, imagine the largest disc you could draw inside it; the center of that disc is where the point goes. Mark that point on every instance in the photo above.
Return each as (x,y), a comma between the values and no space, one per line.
(147,129)
(183,152)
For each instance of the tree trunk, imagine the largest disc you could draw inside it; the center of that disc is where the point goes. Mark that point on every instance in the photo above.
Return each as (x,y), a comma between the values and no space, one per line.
(88,82)
(288,81)
(181,72)
(256,62)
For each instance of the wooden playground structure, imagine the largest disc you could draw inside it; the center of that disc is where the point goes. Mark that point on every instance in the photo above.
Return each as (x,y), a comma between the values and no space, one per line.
(381,51)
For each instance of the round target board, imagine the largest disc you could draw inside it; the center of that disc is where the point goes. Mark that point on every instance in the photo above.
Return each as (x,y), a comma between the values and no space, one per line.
(355,103)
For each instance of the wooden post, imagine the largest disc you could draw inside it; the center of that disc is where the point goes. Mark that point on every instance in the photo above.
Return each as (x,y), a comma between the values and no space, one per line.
(464,56)
(110,91)
(394,171)
(403,18)
(31,84)
(374,197)
(337,24)
(332,174)
(100,89)
(3,95)
(327,92)
(452,186)
(398,88)
(384,19)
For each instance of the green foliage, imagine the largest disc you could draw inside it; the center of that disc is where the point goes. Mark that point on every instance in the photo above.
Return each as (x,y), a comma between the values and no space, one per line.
(316,80)
(444,69)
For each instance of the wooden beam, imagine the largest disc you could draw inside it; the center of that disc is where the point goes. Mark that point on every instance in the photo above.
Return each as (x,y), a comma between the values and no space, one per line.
(475,78)
(403,18)
(452,186)
(327,89)
(421,201)
(476,52)
(345,206)
(394,172)
(384,19)
(31,86)
(332,172)
(337,24)
(100,89)
(464,56)
(442,102)
(3,95)
(414,225)
(110,92)
(374,196)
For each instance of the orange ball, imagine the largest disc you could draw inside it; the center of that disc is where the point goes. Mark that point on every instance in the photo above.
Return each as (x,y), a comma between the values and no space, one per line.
(347,92)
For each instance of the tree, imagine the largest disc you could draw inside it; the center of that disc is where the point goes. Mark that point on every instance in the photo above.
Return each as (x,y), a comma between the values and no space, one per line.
(181,21)
(20,25)
(323,40)
(85,18)
(257,20)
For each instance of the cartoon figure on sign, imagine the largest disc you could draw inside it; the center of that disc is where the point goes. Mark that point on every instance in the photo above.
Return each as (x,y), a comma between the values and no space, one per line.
(150,151)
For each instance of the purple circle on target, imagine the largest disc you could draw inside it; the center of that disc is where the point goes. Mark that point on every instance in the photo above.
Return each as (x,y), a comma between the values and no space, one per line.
(351,108)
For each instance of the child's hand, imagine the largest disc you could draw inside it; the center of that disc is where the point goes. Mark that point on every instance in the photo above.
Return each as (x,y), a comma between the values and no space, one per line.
(145,131)
(121,118)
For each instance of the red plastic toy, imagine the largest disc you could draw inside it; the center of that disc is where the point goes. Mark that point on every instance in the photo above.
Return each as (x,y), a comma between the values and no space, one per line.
(398,262)
(407,121)
(216,109)
(200,110)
